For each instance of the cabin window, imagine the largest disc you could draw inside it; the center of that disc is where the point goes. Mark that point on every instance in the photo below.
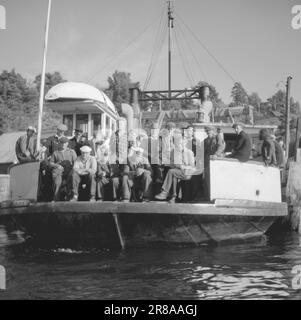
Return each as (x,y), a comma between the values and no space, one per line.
(68,121)
(82,122)
(113,126)
(96,123)
(108,123)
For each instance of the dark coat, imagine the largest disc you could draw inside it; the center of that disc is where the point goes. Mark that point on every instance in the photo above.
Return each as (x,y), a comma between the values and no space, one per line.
(213,146)
(268,152)
(243,147)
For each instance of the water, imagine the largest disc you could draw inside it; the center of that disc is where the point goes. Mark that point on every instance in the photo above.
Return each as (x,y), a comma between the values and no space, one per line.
(244,271)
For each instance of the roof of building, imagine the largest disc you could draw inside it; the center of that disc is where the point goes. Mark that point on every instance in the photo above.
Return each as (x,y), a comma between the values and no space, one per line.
(7,143)
(78,91)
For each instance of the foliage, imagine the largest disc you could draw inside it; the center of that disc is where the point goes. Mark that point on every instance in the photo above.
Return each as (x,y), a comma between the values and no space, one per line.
(19,101)
(118,90)
(239,94)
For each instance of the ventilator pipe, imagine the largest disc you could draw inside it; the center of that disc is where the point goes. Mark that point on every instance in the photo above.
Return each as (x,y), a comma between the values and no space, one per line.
(128,112)
(134,101)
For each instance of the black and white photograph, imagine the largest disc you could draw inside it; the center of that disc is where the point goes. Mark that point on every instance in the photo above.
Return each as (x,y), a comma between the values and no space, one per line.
(150,153)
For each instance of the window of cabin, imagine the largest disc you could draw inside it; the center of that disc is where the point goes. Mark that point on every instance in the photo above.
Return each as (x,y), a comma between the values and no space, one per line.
(82,122)
(108,123)
(96,123)
(113,126)
(68,121)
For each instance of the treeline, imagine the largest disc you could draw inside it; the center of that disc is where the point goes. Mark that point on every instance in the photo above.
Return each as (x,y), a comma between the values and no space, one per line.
(19,100)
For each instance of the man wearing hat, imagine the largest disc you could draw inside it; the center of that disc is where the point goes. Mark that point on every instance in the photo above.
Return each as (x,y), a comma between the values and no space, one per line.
(53,142)
(25,146)
(137,175)
(243,147)
(61,163)
(103,174)
(84,171)
(74,143)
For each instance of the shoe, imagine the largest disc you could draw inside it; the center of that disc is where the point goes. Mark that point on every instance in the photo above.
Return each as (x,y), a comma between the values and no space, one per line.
(99,200)
(162,196)
(92,199)
(74,199)
(125,200)
(172,200)
(145,200)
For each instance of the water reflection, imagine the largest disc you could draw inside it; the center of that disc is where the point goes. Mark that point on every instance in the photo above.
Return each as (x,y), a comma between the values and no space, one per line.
(246,271)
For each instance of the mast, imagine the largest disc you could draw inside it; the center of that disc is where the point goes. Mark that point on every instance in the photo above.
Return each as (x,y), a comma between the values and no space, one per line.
(170,26)
(288,111)
(42,88)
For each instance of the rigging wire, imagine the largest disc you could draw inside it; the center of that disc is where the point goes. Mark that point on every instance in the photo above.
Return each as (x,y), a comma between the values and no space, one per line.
(156,44)
(162,40)
(123,49)
(192,52)
(186,68)
(206,49)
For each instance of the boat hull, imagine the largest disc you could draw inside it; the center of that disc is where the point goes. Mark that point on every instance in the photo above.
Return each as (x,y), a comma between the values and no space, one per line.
(126,225)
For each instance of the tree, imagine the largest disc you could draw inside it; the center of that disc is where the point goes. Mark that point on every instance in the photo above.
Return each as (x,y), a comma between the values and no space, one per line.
(51,79)
(19,100)
(254,100)
(118,90)
(239,94)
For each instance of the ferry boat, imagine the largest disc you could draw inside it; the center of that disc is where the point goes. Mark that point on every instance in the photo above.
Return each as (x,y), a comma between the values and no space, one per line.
(245,198)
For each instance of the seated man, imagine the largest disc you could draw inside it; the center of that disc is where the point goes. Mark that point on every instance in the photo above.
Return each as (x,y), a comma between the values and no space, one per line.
(61,164)
(25,147)
(103,168)
(137,175)
(84,171)
(183,170)
(243,147)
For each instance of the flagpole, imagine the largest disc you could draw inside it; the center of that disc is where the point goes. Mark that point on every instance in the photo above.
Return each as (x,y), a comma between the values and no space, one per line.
(42,88)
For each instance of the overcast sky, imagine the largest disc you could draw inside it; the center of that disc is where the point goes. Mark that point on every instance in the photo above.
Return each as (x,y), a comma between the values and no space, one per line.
(252,39)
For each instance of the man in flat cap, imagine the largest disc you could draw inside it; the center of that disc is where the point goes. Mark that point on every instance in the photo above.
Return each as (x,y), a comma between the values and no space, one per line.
(61,163)
(84,171)
(53,141)
(25,146)
(243,147)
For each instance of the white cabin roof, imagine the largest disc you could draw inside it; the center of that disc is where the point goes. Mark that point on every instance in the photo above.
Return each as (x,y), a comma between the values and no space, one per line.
(78,91)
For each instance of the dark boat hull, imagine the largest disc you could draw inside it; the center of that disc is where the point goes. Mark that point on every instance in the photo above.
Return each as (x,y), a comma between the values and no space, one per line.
(114,225)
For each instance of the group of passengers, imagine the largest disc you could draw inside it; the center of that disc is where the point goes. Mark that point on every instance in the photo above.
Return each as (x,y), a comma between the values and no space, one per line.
(135,167)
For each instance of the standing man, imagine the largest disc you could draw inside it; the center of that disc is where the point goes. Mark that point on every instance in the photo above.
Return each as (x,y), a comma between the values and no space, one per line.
(25,146)
(84,171)
(214,147)
(53,142)
(74,143)
(61,163)
(243,147)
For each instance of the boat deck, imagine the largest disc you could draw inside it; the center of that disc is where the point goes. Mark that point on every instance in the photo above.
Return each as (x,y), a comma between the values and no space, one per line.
(219,207)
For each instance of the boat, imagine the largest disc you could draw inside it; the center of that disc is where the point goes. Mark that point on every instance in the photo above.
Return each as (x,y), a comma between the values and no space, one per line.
(245,198)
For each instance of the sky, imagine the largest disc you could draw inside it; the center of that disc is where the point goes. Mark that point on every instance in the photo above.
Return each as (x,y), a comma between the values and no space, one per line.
(89,39)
